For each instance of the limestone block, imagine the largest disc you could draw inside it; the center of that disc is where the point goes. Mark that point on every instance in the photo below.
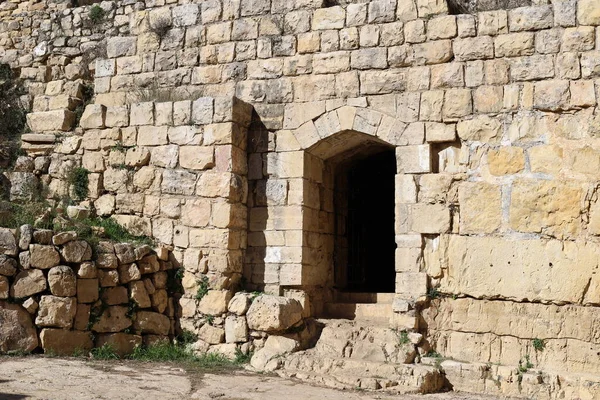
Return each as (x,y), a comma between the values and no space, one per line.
(478,48)
(77,251)
(328,18)
(239,303)
(8,266)
(113,319)
(488,99)
(8,242)
(62,281)
(436,52)
(27,283)
(411,285)
(443,27)
(43,257)
(152,322)
(275,347)
(142,114)
(551,95)
(369,58)
(104,68)
(211,334)
(514,44)
(87,290)
(178,182)
(273,313)
(17,332)
(588,12)
(435,188)
(545,159)
(115,295)
(139,294)
(56,312)
(165,156)
(93,117)
(439,132)
(480,129)
(506,160)
(447,75)
(202,110)
(57,120)
(121,46)
(428,8)
(196,157)
(549,263)
(117,116)
(532,67)
(548,207)
(4,287)
(122,344)
(480,207)
(214,302)
(429,218)
(414,159)
(159,300)
(408,259)
(108,278)
(530,18)
(65,343)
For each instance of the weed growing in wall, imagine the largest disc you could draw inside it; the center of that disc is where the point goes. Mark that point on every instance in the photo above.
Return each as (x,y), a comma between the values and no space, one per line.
(202,288)
(538,344)
(79,180)
(96,14)
(12,116)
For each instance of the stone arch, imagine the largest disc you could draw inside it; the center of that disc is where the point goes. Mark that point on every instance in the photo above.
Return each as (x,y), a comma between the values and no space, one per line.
(282,255)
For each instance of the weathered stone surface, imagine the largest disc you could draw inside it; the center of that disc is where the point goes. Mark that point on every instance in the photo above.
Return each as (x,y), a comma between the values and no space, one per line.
(240,303)
(77,251)
(211,334)
(151,322)
(214,302)
(65,343)
(273,313)
(56,312)
(62,281)
(480,207)
(236,329)
(87,290)
(139,294)
(63,237)
(8,242)
(121,343)
(275,346)
(128,273)
(8,266)
(549,207)
(43,256)
(17,332)
(27,283)
(113,319)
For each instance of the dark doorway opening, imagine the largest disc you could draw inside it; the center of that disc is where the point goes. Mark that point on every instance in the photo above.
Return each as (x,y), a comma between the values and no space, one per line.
(364,222)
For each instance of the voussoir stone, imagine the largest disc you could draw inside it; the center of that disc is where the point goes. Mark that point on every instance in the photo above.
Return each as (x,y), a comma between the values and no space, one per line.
(43,256)
(273,313)
(17,331)
(62,281)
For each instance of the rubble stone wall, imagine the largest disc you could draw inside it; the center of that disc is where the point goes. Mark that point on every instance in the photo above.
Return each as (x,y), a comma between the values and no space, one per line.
(493,117)
(57,295)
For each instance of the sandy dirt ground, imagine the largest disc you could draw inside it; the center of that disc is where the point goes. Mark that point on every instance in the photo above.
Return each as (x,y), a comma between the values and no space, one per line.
(70,379)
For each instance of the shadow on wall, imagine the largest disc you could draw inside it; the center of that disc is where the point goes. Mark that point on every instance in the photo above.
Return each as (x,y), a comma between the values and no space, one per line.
(256,275)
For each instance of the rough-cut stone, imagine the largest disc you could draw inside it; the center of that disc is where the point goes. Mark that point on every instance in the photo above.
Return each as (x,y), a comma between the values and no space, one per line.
(113,319)
(17,332)
(480,207)
(240,303)
(65,343)
(121,343)
(8,242)
(62,281)
(8,266)
(215,302)
(236,329)
(43,256)
(273,313)
(77,251)
(151,322)
(28,283)
(275,346)
(56,312)
(211,334)
(506,161)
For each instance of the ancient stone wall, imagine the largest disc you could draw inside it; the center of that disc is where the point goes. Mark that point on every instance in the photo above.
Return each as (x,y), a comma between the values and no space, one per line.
(492,115)
(57,295)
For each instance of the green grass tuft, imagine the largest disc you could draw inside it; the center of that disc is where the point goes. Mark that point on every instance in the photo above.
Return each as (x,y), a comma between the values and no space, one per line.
(106,352)
(96,13)
(538,344)
(79,180)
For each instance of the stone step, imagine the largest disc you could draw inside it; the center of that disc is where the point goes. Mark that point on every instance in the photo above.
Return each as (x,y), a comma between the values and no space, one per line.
(362,297)
(374,312)
(343,373)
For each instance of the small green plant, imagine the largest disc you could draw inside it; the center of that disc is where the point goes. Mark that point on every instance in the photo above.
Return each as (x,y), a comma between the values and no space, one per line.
(525,365)
(538,344)
(119,147)
(433,293)
(241,357)
(105,352)
(79,180)
(96,14)
(202,288)
(174,277)
(209,319)
(131,309)
(403,338)
(433,354)
(187,337)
